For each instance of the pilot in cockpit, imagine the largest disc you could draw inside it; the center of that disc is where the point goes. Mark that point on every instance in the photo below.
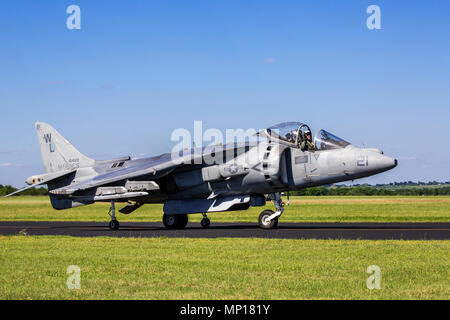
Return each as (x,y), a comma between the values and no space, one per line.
(307,143)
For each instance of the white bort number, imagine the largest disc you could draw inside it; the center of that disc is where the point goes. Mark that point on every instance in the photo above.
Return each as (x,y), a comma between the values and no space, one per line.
(74,20)
(374,281)
(74,280)
(374,20)
(362,161)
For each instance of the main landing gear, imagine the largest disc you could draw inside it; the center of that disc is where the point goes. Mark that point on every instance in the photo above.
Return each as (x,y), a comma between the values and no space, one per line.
(113,224)
(179,221)
(269,219)
(175,221)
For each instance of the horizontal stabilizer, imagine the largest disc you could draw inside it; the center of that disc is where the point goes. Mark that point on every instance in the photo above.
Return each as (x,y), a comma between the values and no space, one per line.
(46,179)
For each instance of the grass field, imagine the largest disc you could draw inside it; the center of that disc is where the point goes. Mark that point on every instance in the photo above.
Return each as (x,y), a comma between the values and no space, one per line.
(302,209)
(34,267)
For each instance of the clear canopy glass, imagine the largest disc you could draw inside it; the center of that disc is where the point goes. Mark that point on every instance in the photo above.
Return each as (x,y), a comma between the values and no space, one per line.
(294,133)
(288,131)
(325,140)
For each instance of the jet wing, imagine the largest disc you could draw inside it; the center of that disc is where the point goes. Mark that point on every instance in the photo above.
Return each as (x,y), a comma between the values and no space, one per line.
(155,167)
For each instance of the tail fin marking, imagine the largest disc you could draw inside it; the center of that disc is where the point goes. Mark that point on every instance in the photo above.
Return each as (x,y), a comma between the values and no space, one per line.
(57,153)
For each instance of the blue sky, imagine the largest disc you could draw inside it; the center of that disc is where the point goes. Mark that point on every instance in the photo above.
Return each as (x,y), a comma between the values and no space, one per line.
(137,70)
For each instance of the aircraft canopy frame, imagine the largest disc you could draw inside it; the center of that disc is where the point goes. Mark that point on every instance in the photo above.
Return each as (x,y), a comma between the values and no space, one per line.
(289,132)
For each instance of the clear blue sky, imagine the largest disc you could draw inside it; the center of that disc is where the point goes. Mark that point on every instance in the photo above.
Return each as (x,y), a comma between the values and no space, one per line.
(137,70)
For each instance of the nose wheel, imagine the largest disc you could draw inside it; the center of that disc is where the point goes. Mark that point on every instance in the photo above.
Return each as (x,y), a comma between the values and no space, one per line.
(205,222)
(264,221)
(269,219)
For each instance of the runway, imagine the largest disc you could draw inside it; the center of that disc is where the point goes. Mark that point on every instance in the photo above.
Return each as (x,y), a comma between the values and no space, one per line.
(369,231)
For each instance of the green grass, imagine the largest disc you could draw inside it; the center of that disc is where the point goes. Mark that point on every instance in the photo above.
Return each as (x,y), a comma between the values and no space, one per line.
(302,209)
(34,267)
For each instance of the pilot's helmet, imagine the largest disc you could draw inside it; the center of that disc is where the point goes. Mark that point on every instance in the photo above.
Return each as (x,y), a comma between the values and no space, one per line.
(307,132)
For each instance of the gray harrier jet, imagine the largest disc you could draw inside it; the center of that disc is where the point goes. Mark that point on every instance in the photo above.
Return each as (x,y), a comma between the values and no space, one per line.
(201,180)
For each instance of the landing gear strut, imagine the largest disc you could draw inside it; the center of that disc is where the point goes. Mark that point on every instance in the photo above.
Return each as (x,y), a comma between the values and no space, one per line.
(205,221)
(269,219)
(113,224)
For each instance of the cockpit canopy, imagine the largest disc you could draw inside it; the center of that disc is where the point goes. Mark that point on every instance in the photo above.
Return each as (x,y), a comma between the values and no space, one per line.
(291,132)
(325,140)
(294,133)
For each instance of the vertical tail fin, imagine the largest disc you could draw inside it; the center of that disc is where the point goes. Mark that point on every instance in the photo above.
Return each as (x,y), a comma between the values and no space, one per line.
(57,153)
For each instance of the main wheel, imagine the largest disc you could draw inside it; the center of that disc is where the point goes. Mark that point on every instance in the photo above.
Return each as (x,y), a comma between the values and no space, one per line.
(263,223)
(175,221)
(205,222)
(114,225)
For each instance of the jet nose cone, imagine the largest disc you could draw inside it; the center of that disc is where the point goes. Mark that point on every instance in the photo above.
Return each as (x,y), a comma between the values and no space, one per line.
(370,162)
(384,163)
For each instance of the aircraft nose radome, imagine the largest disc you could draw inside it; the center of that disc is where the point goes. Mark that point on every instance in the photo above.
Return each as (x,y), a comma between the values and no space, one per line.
(386,163)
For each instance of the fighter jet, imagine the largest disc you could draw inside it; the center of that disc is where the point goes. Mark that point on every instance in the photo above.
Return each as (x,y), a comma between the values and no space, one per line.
(216,178)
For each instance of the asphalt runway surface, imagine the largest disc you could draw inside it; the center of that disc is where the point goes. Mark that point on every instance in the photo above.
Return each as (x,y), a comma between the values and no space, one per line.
(369,231)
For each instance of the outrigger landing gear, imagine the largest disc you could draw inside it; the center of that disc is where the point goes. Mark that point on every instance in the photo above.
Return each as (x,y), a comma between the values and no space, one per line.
(269,219)
(205,221)
(113,224)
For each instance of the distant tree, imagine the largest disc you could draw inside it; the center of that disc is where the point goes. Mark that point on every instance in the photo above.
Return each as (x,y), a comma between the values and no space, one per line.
(4,190)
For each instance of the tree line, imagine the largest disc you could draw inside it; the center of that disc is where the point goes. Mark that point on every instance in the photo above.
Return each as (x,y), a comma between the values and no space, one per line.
(372,191)
(4,190)
(314,191)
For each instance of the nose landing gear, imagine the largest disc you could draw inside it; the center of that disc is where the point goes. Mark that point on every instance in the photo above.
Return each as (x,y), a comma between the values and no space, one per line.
(269,219)
(264,221)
